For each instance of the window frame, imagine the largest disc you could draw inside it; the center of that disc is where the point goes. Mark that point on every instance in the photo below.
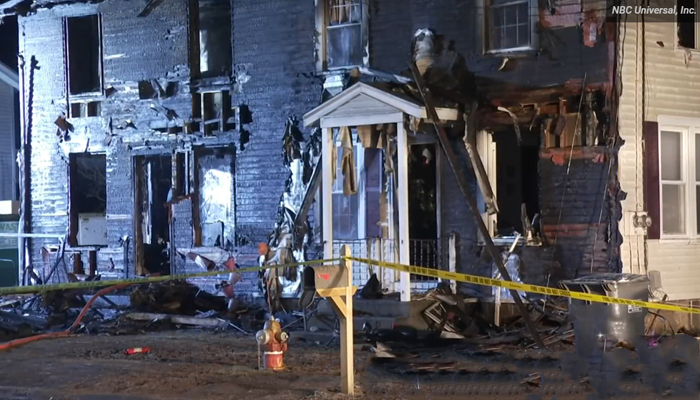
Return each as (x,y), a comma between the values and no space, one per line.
(486,28)
(100,56)
(321,46)
(690,130)
(676,45)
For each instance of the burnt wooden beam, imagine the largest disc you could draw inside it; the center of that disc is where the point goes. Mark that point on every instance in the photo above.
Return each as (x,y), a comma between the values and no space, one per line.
(471,202)
(313,186)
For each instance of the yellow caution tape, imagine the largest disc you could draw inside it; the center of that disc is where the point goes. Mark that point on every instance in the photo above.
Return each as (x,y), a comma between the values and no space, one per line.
(523,287)
(139,281)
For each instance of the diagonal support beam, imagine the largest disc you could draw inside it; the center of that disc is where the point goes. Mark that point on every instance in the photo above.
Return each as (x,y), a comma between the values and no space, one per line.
(471,202)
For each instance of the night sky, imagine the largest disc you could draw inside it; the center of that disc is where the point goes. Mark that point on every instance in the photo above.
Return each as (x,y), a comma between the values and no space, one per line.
(8,42)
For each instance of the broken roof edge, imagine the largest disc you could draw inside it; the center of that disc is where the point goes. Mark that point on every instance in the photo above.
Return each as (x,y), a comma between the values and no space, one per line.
(313,117)
(9,76)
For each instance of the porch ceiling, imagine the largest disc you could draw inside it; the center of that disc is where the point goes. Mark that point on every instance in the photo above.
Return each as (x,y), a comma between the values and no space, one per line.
(363,104)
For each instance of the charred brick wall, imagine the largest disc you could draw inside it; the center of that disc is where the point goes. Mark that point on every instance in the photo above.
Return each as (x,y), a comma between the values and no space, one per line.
(273,43)
(562,54)
(575,206)
(133,49)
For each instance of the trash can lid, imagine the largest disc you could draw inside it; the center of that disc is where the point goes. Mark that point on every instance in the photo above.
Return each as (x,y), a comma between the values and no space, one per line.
(607,278)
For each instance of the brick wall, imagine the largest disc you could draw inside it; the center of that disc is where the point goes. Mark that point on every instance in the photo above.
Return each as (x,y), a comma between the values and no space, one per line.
(580,235)
(133,49)
(274,41)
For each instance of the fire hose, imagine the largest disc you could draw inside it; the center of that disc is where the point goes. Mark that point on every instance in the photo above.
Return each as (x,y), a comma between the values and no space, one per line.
(54,335)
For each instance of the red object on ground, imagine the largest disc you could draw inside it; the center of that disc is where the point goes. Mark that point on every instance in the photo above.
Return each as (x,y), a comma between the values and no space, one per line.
(137,350)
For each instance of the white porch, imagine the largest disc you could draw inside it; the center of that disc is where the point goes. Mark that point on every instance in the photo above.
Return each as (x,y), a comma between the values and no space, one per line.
(393,117)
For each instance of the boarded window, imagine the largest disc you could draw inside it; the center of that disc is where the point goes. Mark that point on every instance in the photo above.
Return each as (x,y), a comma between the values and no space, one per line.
(344,33)
(83,48)
(508,25)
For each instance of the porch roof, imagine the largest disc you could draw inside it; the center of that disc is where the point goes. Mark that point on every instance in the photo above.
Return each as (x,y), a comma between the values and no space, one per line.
(364,104)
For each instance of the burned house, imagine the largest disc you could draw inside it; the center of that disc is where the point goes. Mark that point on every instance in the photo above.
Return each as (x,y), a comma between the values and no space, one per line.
(153,132)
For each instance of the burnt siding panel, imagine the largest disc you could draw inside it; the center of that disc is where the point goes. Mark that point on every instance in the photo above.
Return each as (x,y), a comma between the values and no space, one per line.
(273,39)
(578,236)
(144,48)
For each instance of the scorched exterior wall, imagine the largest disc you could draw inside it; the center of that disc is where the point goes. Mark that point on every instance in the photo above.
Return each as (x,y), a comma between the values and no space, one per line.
(275,71)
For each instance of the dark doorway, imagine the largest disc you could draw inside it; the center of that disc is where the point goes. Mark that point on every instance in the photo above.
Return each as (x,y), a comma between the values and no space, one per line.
(422,205)
(517,180)
(88,199)
(153,184)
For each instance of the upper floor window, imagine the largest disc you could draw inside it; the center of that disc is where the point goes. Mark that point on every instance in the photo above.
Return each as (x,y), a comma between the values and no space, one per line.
(687,25)
(510,25)
(343,26)
(211,52)
(83,50)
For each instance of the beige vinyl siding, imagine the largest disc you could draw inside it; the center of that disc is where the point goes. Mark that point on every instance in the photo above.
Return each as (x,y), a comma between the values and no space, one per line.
(671,89)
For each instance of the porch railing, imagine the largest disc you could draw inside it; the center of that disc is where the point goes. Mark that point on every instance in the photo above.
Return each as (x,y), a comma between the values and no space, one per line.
(428,253)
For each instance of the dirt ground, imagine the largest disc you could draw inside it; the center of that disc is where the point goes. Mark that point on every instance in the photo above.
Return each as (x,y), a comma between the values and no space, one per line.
(195,364)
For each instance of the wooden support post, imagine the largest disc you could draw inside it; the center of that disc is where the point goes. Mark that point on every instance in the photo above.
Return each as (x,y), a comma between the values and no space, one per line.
(78,268)
(471,202)
(402,197)
(327,145)
(335,283)
(453,259)
(92,257)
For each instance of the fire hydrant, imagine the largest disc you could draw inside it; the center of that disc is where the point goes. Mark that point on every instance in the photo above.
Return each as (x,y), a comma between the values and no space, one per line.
(274,341)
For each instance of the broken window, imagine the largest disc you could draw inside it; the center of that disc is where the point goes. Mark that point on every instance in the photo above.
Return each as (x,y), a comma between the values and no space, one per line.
(510,25)
(344,26)
(212,22)
(85,109)
(687,25)
(88,199)
(214,111)
(83,47)
(216,193)
(152,226)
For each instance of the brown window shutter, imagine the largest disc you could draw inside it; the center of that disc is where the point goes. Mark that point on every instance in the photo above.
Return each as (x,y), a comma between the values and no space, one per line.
(652,180)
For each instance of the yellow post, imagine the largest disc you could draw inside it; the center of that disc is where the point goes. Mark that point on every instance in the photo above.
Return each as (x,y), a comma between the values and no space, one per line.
(335,283)
(347,362)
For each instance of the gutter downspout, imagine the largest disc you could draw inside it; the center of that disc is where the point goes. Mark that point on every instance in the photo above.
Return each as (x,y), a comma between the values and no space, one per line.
(25,208)
(21,160)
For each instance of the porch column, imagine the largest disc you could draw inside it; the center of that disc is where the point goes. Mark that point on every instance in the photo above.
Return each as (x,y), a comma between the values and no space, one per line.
(327,169)
(402,200)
